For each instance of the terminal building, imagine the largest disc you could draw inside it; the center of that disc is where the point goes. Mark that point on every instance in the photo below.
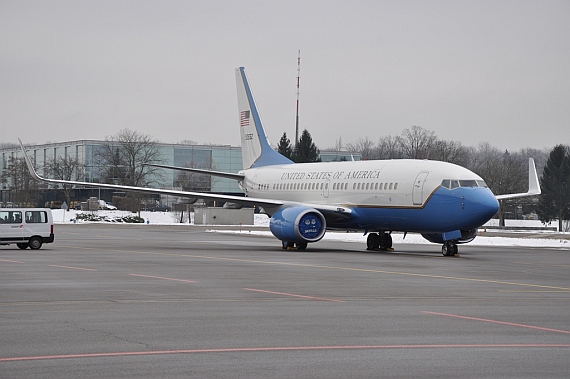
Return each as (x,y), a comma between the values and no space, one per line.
(211,157)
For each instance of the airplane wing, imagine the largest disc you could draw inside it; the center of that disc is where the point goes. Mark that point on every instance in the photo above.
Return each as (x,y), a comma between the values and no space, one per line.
(227,175)
(265,203)
(329,211)
(533,184)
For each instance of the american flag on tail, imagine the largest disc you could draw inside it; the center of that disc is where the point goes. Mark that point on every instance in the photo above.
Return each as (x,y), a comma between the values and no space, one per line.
(244,118)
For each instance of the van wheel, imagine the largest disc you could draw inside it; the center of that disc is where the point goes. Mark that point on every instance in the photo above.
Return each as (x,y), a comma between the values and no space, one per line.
(22,245)
(35,243)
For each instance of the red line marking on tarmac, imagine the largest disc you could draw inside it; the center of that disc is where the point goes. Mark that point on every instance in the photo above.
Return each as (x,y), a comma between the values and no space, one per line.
(74,268)
(160,277)
(294,295)
(6,260)
(499,322)
(281,349)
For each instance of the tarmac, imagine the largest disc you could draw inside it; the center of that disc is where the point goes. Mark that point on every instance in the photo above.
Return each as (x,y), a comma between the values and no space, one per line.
(177,301)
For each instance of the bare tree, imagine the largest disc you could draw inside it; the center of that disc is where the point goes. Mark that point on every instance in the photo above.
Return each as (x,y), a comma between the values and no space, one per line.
(389,148)
(24,190)
(417,142)
(124,157)
(67,168)
(364,146)
(450,151)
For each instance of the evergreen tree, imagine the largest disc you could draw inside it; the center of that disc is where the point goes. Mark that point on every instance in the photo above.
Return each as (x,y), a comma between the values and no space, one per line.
(554,203)
(306,151)
(284,147)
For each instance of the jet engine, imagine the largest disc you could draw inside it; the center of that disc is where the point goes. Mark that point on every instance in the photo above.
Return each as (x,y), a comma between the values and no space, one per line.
(298,224)
(466,237)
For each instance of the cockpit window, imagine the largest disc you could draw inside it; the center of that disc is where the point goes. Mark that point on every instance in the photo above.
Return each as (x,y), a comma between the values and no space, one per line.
(481,183)
(468,183)
(452,184)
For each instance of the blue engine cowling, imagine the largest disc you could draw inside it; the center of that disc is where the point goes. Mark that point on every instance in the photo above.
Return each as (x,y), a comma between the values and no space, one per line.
(298,224)
(466,236)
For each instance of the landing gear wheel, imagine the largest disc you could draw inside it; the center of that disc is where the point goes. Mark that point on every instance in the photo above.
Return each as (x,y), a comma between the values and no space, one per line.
(301,245)
(22,245)
(385,241)
(449,249)
(373,241)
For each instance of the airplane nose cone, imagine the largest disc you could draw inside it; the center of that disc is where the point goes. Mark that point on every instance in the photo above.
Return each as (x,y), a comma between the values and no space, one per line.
(482,204)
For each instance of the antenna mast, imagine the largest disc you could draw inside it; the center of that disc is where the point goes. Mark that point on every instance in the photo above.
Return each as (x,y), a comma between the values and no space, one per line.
(297,116)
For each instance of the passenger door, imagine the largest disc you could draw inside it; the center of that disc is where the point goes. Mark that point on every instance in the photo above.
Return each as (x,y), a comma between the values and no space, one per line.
(418,190)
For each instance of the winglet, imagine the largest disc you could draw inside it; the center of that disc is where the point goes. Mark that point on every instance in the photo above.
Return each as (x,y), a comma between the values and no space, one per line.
(29,162)
(533,184)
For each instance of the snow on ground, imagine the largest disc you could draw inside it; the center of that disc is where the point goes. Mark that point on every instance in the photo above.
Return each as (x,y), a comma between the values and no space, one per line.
(168,218)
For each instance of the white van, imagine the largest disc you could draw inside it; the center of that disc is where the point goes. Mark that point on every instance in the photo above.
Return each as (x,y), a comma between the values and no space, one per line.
(26,227)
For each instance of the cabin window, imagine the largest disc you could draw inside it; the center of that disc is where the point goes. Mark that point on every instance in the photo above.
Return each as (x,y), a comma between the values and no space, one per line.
(10,217)
(391,184)
(36,217)
(395,186)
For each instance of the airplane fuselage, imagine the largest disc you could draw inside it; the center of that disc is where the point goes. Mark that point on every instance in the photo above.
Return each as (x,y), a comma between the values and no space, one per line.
(396,195)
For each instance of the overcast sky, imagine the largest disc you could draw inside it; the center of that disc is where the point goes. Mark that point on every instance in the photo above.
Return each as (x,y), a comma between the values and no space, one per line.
(471,71)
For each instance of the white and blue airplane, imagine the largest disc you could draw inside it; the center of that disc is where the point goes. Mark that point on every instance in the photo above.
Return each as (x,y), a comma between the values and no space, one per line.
(443,202)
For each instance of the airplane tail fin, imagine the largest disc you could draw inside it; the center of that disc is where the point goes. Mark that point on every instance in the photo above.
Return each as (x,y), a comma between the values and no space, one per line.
(255,149)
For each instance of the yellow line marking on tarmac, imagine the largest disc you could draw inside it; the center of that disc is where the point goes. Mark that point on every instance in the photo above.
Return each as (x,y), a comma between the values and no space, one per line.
(337,268)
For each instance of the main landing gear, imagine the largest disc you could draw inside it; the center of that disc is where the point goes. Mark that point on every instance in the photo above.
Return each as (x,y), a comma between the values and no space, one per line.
(379,241)
(449,249)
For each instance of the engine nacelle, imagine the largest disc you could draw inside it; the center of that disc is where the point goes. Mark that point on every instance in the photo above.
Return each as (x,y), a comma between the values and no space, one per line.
(298,224)
(466,237)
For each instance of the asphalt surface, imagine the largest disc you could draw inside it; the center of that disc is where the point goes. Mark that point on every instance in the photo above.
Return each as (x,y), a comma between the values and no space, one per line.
(143,301)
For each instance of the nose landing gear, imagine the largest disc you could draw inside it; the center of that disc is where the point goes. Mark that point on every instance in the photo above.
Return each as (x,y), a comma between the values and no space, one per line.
(449,249)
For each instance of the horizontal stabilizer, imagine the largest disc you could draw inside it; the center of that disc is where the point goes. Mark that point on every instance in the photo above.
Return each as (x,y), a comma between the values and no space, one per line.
(221,174)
